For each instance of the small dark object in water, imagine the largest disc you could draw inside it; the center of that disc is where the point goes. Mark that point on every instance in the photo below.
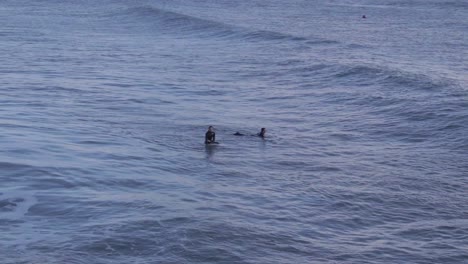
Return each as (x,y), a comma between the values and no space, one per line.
(262,133)
(210,136)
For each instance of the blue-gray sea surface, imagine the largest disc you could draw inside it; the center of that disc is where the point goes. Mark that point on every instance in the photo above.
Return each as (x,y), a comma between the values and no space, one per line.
(104,106)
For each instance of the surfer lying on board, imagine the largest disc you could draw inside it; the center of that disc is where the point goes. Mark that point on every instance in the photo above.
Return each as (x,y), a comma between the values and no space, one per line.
(210,136)
(261,134)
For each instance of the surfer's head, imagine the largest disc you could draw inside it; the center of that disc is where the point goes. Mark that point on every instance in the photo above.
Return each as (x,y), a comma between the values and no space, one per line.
(210,128)
(262,132)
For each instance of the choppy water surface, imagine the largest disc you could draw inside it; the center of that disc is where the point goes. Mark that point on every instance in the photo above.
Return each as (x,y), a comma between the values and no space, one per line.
(104,107)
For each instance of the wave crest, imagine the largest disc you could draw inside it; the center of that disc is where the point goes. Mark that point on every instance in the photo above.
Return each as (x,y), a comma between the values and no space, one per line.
(169,22)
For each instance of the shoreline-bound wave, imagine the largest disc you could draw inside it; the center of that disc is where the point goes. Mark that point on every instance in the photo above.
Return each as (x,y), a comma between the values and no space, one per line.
(169,22)
(392,77)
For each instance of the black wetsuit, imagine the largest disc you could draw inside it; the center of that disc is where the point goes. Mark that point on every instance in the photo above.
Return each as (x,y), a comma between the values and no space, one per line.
(210,137)
(261,134)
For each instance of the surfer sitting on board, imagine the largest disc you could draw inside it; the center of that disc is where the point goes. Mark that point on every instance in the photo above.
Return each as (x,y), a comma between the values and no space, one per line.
(210,136)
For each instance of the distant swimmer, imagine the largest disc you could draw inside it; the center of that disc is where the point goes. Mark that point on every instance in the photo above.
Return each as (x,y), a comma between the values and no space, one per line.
(364,16)
(262,133)
(210,136)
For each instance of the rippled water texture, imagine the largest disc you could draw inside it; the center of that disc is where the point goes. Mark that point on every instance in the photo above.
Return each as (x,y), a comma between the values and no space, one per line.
(104,106)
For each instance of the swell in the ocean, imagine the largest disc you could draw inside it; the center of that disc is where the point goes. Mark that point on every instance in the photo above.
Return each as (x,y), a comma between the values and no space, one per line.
(104,106)
(163,21)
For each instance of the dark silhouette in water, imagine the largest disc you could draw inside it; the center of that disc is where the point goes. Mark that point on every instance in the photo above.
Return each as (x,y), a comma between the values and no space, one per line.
(210,136)
(260,134)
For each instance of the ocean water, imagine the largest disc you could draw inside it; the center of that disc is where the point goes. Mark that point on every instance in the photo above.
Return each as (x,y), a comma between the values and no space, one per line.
(104,106)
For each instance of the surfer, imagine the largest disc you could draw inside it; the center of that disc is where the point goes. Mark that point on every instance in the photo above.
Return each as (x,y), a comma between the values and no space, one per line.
(210,136)
(262,133)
